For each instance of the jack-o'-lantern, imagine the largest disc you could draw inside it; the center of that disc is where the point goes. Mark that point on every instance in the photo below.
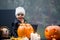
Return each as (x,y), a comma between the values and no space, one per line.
(52,32)
(4,31)
(24,30)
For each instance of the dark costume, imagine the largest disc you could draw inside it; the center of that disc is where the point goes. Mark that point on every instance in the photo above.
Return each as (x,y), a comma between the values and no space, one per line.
(15,25)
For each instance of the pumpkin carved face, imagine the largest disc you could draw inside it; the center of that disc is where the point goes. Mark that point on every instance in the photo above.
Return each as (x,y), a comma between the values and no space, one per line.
(4,31)
(24,30)
(52,32)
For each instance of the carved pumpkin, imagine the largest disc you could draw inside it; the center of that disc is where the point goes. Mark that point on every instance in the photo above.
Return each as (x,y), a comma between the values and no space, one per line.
(4,31)
(24,30)
(52,32)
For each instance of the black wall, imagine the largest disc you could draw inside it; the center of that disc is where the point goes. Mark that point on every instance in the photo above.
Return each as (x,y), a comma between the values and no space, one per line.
(7,17)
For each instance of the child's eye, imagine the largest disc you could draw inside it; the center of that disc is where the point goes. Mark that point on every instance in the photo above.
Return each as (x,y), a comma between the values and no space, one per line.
(20,14)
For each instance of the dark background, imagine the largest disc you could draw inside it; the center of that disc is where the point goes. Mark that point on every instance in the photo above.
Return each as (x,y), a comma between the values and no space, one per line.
(41,12)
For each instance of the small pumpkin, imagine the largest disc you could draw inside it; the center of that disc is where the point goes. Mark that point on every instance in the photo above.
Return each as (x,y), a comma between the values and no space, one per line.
(52,32)
(4,31)
(24,30)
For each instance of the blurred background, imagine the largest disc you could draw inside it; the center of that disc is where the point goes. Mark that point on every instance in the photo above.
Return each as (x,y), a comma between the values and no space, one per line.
(41,12)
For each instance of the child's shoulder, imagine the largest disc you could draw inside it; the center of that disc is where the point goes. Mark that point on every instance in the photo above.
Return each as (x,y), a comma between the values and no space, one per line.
(16,21)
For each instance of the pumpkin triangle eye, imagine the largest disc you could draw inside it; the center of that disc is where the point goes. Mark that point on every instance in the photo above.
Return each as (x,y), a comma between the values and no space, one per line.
(46,30)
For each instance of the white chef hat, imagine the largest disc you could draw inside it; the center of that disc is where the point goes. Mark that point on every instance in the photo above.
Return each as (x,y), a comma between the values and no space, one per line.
(19,10)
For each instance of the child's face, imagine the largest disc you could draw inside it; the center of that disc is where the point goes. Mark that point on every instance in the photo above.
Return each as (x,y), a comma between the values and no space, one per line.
(20,16)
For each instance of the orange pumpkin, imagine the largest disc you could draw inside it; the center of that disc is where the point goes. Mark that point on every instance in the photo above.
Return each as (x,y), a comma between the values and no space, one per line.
(52,32)
(24,30)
